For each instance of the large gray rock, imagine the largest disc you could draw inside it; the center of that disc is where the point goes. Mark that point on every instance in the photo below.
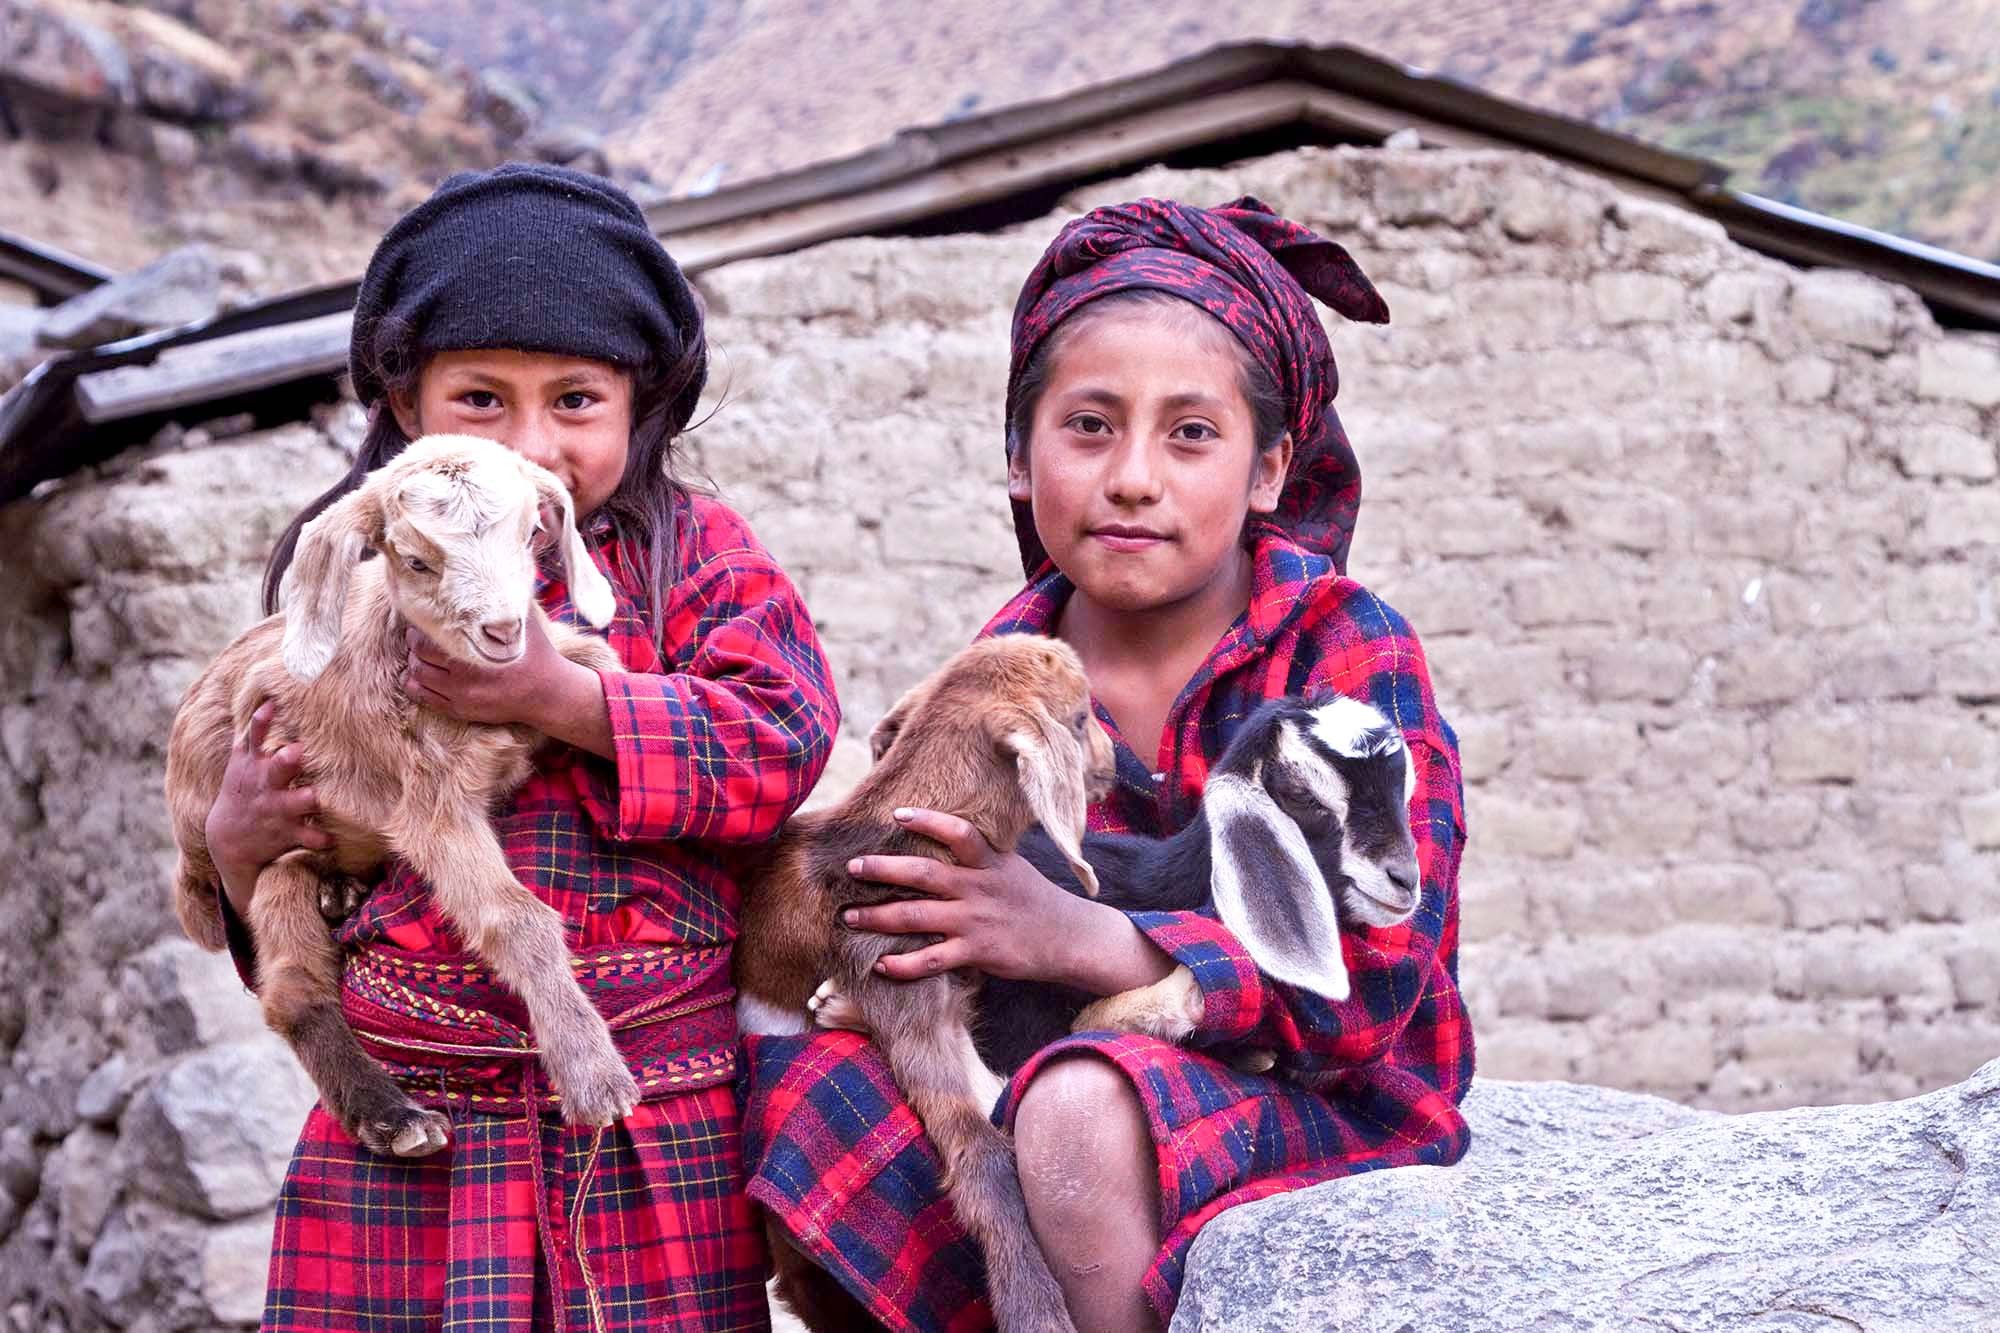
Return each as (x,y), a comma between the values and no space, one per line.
(214,1134)
(1607,1210)
(62,54)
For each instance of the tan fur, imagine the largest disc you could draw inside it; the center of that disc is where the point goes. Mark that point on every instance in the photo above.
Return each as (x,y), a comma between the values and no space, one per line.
(1170,1009)
(1003,737)
(392,777)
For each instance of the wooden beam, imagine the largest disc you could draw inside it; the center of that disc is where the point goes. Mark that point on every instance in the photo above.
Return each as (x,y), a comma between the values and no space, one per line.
(1129,142)
(219,368)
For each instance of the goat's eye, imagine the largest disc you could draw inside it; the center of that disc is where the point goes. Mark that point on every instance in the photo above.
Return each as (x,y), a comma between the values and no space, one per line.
(415,566)
(1079,722)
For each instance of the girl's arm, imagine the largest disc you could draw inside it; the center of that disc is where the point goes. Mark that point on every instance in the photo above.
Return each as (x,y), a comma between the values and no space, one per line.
(1000,915)
(726,744)
(722,745)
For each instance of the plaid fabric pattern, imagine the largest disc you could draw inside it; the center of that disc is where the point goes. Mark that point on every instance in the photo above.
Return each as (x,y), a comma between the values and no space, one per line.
(1368,1082)
(523,1222)
(642,1226)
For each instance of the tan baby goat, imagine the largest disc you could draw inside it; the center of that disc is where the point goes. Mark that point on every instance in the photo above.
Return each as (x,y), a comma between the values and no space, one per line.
(455,524)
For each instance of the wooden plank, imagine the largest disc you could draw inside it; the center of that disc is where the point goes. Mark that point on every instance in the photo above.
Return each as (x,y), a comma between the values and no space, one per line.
(218,368)
(1132,142)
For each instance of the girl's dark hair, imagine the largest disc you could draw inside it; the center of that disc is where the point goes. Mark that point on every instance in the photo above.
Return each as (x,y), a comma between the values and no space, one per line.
(1269,413)
(641,511)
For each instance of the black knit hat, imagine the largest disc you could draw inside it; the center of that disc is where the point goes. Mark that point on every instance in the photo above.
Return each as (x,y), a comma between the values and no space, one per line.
(532,258)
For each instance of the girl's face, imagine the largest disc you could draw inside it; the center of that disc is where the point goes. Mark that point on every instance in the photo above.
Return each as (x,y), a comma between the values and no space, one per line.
(571,415)
(1141,460)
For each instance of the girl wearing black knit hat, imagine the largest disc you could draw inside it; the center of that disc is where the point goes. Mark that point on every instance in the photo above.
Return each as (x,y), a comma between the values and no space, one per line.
(532,305)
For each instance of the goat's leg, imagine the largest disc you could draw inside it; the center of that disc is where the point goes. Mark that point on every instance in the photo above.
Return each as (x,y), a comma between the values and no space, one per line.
(520,937)
(584,649)
(1169,1009)
(340,897)
(831,1008)
(921,1029)
(300,969)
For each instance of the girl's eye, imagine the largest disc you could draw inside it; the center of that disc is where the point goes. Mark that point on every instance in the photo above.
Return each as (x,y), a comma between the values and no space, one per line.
(480,400)
(1197,432)
(1089,423)
(575,401)
(415,566)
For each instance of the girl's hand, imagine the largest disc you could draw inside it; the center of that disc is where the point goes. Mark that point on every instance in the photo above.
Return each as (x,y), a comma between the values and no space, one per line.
(258,815)
(474,691)
(541,688)
(1000,915)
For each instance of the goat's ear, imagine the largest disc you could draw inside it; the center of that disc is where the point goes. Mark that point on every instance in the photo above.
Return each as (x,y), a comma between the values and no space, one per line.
(884,733)
(1268,889)
(313,593)
(589,591)
(1049,765)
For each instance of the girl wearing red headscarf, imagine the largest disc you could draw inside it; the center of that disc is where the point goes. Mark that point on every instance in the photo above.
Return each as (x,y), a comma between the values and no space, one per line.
(1184,497)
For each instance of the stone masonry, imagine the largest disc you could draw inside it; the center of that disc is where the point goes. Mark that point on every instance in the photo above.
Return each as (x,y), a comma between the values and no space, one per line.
(1703,549)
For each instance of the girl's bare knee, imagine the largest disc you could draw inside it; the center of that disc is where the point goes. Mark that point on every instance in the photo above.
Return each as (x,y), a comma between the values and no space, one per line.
(1080,1133)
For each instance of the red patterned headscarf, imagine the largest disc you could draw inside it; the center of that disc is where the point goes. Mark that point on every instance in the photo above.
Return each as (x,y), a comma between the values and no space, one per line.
(1254,271)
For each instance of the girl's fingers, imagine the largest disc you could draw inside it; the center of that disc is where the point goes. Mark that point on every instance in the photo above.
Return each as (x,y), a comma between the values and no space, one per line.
(260,726)
(285,765)
(314,838)
(421,681)
(926,962)
(967,844)
(917,917)
(906,872)
(423,650)
(298,802)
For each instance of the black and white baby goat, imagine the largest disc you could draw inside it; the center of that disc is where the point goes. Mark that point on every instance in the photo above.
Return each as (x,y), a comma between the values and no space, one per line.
(1304,824)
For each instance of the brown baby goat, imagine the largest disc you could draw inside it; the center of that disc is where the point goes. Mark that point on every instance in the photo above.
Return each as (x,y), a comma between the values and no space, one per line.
(1002,736)
(455,524)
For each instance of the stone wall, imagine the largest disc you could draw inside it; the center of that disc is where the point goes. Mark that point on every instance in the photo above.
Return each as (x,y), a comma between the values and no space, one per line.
(1702,548)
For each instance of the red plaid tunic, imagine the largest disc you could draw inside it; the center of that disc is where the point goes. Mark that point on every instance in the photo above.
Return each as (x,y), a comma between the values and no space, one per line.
(522,1222)
(1373,1081)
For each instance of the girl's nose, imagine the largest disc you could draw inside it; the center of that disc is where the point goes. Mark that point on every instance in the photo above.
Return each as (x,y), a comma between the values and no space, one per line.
(533,441)
(1135,474)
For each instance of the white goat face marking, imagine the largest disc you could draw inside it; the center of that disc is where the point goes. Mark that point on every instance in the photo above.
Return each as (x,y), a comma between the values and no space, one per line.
(1268,888)
(1354,729)
(1359,732)
(1309,767)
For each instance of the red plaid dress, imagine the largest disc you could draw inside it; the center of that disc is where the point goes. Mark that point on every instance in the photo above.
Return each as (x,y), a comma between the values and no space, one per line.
(1370,1082)
(521,1221)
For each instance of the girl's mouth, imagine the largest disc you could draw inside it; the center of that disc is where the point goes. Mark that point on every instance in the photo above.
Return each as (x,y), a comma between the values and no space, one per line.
(1126,537)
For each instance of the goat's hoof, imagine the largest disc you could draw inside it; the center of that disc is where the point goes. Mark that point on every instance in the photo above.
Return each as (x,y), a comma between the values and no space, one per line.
(601,1094)
(409,1132)
(340,897)
(832,1009)
(1253,1062)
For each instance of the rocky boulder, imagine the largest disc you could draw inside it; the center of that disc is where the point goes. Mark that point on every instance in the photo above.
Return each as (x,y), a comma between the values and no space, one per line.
(214,1134)
(1585,1208)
